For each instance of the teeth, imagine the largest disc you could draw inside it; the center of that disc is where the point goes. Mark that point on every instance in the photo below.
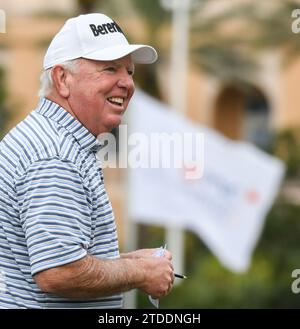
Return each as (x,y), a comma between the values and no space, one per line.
(117,100)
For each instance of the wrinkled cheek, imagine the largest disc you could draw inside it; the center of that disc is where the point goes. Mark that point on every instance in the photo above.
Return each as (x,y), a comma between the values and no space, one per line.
(131,93)
(94,103)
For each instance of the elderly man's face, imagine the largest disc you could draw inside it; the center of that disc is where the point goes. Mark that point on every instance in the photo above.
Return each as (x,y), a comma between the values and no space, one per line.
(100,92)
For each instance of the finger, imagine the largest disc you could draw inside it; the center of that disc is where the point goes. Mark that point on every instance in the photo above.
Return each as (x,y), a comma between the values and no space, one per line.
(170,286)
(173,277)
(168,255)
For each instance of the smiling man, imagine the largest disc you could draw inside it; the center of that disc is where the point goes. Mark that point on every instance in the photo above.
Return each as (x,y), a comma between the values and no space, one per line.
(58,239)
(96,93)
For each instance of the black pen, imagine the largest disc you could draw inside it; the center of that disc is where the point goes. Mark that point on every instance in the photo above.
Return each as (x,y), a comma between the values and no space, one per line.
(180,276)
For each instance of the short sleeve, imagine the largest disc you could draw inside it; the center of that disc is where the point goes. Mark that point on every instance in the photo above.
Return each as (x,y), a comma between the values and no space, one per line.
(55,213)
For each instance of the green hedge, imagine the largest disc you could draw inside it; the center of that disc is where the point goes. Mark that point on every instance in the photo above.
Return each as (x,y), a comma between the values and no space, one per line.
(267,284)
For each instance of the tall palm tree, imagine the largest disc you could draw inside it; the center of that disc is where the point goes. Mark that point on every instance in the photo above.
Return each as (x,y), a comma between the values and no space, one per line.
(87,6)
(229,56)
(263,25)
(154,18)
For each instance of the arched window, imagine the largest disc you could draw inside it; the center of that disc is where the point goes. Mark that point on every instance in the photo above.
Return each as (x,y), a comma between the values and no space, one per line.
(256,124)
(242,113)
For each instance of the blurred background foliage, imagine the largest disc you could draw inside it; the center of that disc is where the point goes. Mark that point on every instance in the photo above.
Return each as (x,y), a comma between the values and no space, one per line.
(232,59)
(213,49)
(4,113)
(286,146)
(267,284)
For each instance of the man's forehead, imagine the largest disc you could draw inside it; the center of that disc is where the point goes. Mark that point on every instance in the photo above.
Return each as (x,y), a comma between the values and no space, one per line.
(124,61)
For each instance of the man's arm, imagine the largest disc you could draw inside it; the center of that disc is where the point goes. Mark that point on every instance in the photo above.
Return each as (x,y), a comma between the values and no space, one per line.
(91,277)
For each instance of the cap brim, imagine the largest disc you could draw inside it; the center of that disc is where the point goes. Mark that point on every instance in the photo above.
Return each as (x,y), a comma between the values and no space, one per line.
(141,54)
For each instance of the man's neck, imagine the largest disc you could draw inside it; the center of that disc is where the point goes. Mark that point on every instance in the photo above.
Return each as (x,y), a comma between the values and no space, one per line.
(62,102)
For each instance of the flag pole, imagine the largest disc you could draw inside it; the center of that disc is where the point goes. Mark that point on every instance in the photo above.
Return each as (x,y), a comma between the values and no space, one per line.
(177,96)
(177,99)
(130,232)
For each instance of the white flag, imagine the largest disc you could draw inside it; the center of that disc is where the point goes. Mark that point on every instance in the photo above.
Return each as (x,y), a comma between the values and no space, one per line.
(223,194)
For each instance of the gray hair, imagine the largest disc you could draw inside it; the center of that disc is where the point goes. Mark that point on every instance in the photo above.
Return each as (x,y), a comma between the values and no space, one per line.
(46,82)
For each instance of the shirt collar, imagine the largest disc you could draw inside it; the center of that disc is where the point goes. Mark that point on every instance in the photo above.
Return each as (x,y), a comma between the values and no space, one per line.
(55,112)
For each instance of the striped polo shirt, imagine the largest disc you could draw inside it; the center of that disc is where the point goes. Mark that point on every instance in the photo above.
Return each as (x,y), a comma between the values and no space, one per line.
(53,207)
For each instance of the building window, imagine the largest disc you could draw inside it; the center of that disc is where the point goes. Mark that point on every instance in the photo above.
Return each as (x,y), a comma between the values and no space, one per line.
(243,114)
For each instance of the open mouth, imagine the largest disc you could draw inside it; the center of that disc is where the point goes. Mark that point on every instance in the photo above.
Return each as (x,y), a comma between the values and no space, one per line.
(119,101)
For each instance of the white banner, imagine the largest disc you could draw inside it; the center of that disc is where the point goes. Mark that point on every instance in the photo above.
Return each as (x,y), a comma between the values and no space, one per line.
(223,194)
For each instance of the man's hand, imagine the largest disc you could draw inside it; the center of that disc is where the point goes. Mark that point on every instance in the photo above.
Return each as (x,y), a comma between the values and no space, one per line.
(158,271)
(158,276)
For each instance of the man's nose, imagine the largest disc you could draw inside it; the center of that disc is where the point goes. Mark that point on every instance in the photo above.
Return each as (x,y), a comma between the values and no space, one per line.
(126,81)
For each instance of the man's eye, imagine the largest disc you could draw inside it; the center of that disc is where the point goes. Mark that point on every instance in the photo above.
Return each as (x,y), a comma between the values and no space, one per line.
(110,69)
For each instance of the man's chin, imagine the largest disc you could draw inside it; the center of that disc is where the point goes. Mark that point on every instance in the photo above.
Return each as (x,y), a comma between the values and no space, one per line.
(114,124)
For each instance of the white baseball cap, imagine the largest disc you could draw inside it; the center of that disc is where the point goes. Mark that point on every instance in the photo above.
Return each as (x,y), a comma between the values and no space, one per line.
(94,36)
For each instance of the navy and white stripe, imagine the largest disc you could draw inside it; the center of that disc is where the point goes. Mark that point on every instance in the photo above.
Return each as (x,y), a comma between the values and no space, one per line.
(53,206)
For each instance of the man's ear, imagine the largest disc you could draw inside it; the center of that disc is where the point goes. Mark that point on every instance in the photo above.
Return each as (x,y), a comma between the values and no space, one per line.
(60,83)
